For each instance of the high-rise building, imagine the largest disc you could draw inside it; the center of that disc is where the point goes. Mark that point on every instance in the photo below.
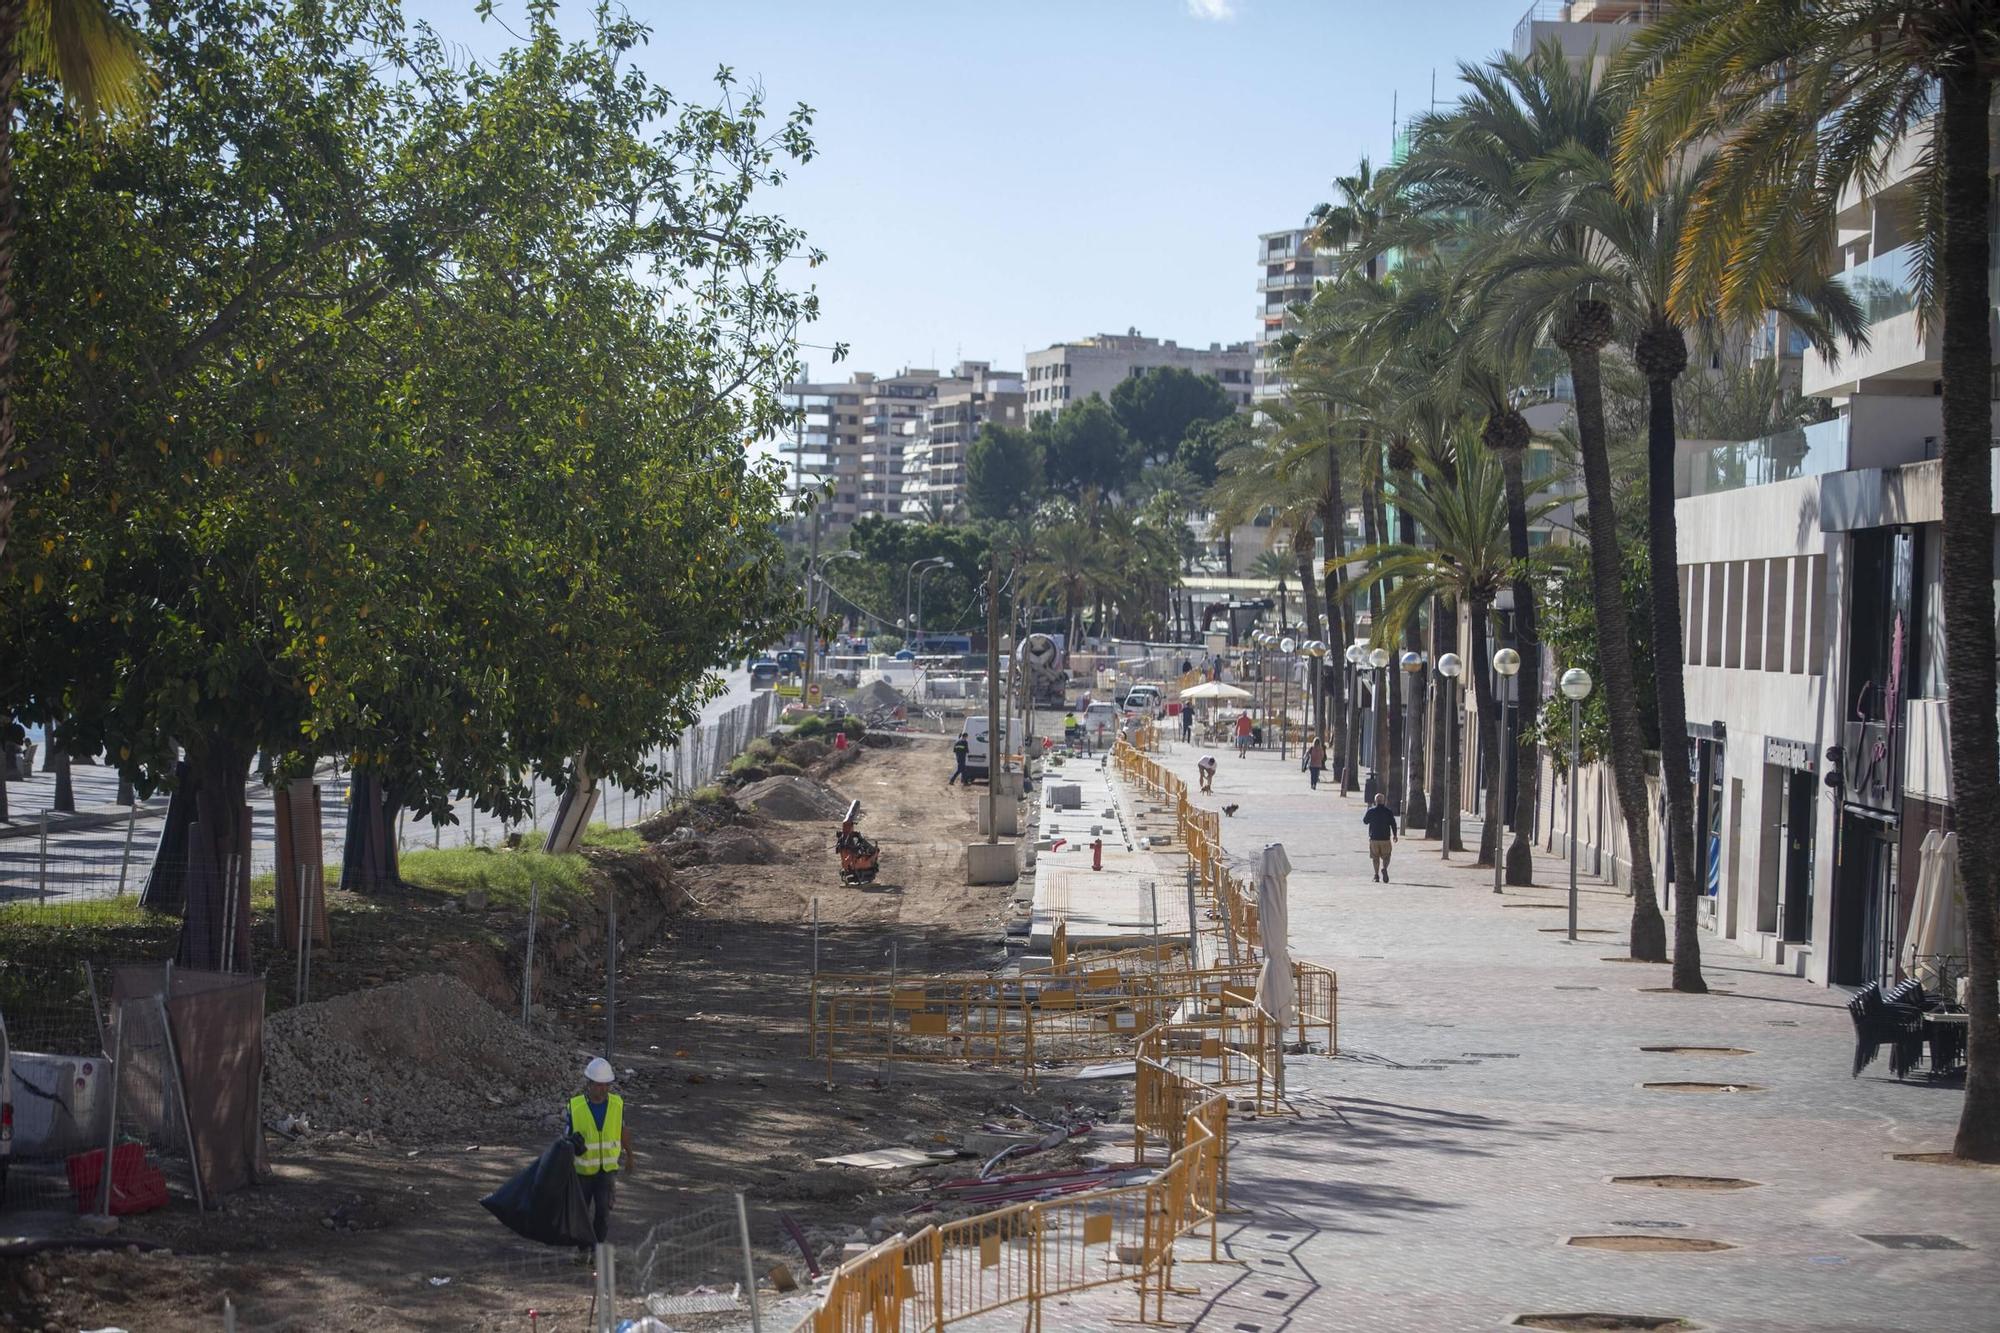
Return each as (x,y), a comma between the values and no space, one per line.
(1585,29)
(973,396)
(1063,373)
(1289,268)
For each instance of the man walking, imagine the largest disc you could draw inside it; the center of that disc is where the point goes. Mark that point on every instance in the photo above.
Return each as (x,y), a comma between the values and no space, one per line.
(1382,834)
(959,749)
(1187,722)
(597,1133)
(1242,734)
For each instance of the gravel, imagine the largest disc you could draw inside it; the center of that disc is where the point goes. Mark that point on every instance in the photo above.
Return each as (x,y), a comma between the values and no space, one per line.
(417,1061)
(789,797)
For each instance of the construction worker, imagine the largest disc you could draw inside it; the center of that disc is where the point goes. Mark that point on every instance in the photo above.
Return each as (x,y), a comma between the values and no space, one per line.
(1071,730)
(598,1134)
(959,749)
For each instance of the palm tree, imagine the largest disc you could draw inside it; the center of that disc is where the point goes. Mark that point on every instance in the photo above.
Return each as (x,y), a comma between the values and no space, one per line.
(1069,561)
(1807,102)
(1469,175)
(87,49)
(1460,502)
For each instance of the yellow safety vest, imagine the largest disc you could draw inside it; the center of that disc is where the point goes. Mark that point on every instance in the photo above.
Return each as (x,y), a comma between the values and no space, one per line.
(600,1146)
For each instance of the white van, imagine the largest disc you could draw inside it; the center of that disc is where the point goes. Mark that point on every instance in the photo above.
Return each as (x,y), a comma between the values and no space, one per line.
(1100,724)
(977,754)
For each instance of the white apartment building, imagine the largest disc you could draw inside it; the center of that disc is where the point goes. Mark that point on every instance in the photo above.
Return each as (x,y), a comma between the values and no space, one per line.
(1063,373)
(1289,270)
(972,397)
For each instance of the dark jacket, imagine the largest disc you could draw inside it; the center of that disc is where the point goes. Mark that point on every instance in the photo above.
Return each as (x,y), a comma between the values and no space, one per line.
(960,747)
(1381,822)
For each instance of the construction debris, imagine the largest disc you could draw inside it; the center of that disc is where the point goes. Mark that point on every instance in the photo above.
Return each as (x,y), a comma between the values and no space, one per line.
(789,797)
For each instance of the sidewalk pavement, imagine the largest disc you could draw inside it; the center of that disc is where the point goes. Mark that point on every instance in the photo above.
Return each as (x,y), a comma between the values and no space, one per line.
(1489,1087)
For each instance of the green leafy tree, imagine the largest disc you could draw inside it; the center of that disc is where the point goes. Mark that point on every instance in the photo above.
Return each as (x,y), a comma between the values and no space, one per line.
(1003,473)
(1086,452)
(1159,408)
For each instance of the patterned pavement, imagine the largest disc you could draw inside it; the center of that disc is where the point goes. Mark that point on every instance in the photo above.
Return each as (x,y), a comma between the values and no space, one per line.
(1490,1086)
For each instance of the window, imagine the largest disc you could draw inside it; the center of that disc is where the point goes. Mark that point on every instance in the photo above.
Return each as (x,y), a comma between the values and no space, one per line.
(1712,637)
(1774,613)
(1753,615)
(1693,585)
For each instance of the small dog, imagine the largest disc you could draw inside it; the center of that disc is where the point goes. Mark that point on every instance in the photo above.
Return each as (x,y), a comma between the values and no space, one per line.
(1230,810)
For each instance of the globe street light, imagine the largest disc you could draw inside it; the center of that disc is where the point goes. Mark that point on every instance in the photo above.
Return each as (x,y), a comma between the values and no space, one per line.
(1575,686)
(1316,650)
(1413,667)
(1506,663)
(1357,653)
(1285,645)
(1377,659)
(1450,667)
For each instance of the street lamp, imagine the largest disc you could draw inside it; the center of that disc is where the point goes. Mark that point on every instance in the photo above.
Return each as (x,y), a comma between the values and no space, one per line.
(1351,760)
(1506,663)
(1449,666)
(1413,667)
(1316,650)
(909,580)
(815,585)
(1285,646)
(922,569)
(1377,660)
(1575,686)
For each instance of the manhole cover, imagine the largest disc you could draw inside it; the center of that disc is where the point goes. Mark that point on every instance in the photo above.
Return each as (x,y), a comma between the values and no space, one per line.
(1686,1182)
(1684,1086)
(1916,1242)
(1697,1050)
(1581,930)
(1643,1244)
(1601,1323)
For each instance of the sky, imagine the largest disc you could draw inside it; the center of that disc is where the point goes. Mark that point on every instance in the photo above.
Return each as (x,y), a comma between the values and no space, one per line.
(993,178)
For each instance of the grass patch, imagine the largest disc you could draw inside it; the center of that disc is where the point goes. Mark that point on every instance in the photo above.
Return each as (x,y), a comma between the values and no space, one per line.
(506,876)
(625,839)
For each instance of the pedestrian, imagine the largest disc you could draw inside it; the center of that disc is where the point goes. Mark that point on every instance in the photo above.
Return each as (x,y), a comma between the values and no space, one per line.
(603,1145)
(1187,722)
(959,749)
(1205,770)
(1315,760)
(1187,666)
(1070,729)
(1242,734)
(1382,835)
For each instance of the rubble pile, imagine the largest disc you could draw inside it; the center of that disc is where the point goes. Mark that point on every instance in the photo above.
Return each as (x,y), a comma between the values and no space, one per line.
(790,797)
(877,694)
(414,1061)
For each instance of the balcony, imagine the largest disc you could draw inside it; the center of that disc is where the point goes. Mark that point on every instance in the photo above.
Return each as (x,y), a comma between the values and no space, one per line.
(1301,283)
(1802,451)
(1885,286)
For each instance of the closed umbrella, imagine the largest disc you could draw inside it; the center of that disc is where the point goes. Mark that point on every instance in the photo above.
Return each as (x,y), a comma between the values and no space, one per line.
(1937,917)
(1275,995)
(1918,937)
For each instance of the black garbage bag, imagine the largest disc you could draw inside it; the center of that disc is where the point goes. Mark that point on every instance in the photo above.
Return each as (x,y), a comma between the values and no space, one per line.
(544,1202)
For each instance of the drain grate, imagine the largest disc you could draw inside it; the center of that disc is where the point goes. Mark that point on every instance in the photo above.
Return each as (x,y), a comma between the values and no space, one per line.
(1916,1242)
(1780,1023)
(1697,1050)
(1680,1085)
(1276,1295)
(1644,1244)
(1686,1182)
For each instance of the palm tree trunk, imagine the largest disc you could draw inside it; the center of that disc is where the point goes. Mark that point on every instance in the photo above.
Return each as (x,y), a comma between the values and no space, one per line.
(1527,706)
(1480,668)
(1302,550)
(1582,346)
(1444,639)
(1669,684)
(1332,677)
(1968,580)
(1371,536)
(1415,808)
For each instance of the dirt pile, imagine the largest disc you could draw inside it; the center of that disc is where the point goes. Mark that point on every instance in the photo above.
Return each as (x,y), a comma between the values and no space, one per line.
(877,694)
(789,797)
(416,1061)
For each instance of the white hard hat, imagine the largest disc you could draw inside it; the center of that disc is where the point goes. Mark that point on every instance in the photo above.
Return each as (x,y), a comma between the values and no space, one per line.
(599,1071)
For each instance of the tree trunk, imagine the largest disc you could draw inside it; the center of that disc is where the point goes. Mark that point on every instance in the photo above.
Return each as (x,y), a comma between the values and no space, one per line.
(1480,668)
(1228,554)
(1415,808)
(1670,691)
(1528,701)
(370,860)
(215,931)
(1302,549)
(1614,646)
(1968,580)
(1332,675)
(65,797)
(1444,639)
(11,14)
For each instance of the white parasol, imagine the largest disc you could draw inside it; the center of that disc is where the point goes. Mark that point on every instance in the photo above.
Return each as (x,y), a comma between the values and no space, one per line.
(1214,689)
(1275,994)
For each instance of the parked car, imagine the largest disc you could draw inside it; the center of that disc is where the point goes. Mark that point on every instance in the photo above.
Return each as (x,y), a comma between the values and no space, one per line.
(978,755)
(791,661)
(1100,724)
(1143,701)
(763,673)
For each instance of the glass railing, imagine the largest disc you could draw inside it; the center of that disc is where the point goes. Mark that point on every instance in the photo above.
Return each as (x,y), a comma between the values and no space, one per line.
(1801,451)
(1885,286)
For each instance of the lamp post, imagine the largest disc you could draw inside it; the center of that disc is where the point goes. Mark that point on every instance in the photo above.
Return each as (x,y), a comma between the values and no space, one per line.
(1353,655)
(815,585)
(1264,640)
(910,578)
(923,570)
(1316,650)
(1506,663)
(1576,688)
(1412,663)
(1449,666)
(1285,646)
(1378,661)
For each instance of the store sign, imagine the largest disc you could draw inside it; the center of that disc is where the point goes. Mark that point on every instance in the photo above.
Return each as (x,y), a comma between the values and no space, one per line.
(1788,754)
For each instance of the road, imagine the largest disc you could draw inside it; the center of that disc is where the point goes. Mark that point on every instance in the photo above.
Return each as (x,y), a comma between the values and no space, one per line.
(89,862)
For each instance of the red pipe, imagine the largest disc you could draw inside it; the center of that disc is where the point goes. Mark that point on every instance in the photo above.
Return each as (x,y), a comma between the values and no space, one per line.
(1097,853)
